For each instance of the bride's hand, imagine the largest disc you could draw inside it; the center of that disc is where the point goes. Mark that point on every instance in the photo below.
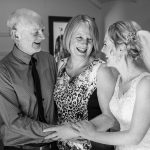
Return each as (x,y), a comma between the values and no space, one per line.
(85,129)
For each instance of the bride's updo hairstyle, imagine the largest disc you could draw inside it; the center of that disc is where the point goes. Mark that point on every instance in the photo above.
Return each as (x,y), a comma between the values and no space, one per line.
(124,32)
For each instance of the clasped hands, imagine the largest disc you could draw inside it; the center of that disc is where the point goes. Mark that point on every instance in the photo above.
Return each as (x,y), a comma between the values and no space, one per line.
(71,131)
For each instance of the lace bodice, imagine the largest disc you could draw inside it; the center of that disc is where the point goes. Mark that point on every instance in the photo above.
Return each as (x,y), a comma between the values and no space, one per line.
(122,108)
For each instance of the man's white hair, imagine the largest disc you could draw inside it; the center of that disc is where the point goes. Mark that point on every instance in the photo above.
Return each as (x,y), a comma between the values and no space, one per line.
(20,16)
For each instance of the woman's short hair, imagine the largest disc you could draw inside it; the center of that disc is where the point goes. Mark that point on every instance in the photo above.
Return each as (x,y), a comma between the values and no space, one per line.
(73,24)
(124,32)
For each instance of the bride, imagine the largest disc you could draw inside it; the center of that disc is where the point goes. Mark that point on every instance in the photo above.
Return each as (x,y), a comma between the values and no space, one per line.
(130,103)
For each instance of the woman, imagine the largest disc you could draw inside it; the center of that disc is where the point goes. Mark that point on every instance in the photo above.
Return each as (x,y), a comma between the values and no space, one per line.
(130,103)
(81,79)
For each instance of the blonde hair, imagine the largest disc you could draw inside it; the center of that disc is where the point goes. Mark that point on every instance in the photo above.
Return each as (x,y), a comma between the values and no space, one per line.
(125,32)
(73,24)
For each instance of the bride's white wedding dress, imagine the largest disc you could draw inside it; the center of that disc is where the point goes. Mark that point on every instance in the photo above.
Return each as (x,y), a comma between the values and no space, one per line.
(122,108)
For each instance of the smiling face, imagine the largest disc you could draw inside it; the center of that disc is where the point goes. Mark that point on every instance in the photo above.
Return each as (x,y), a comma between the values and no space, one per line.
(30,35)
(81,43)
(108,50)
(112,54)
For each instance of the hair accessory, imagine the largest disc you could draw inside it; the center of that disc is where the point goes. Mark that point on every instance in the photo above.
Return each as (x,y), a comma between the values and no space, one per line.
(131,36)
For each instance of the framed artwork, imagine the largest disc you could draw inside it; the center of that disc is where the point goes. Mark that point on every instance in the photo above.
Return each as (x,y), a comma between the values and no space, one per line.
(57,25)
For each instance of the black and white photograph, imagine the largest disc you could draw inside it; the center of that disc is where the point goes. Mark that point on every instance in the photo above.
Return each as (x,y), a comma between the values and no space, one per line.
(74,74)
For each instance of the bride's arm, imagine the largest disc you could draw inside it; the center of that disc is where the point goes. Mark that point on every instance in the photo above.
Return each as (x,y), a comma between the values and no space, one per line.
(105,87)
(139,126)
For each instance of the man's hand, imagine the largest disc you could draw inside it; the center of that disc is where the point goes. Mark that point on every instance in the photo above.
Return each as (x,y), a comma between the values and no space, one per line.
(61,132)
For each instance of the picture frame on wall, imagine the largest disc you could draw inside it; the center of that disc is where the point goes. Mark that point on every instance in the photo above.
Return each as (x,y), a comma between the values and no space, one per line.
(57,26)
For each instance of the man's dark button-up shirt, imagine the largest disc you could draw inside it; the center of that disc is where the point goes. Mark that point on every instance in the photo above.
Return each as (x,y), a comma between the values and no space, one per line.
(19,123)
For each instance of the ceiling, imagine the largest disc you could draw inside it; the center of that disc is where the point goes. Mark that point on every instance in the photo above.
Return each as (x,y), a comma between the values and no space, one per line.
(98,3)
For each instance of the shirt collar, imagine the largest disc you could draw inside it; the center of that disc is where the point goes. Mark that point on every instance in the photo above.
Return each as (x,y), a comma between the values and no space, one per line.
(24,57)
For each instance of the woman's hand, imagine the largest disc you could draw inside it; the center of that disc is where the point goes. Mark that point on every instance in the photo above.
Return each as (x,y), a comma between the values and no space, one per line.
(61,132)
(85,129)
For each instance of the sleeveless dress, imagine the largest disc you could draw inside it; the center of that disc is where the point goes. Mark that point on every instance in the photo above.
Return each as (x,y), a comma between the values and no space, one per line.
(76,100)
(122,108)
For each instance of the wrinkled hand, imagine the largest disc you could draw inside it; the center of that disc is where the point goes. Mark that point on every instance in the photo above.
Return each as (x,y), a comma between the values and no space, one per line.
(85,129)
(61,132)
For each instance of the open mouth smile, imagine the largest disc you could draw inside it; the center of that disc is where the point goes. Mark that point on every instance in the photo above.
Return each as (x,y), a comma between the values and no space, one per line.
(82,50)
(37,44)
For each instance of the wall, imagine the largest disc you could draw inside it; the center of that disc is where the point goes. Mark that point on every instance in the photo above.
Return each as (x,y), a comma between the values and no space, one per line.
(125,10)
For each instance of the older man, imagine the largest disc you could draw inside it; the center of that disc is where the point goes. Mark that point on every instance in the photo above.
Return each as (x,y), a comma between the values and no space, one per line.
(26,87)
